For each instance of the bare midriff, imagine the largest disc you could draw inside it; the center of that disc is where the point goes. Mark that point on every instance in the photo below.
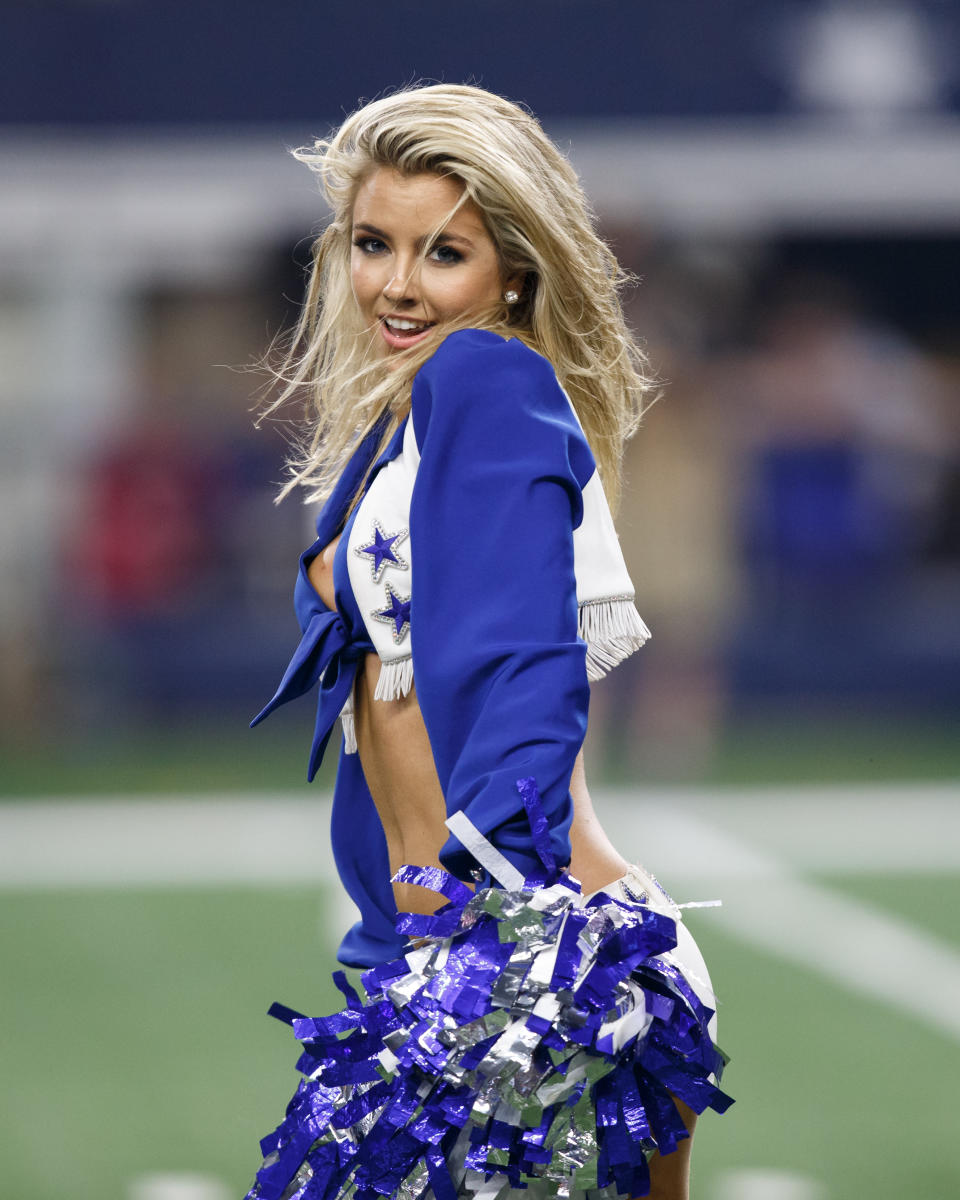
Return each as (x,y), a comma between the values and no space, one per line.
(398,765)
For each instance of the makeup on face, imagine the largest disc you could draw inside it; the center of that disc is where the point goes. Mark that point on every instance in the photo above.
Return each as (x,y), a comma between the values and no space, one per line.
(407,277)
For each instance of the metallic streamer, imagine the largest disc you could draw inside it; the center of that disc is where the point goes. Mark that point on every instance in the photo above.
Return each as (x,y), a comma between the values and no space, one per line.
(534,1038)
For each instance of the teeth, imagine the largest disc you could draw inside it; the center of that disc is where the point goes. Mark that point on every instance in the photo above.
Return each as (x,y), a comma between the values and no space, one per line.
(403,326)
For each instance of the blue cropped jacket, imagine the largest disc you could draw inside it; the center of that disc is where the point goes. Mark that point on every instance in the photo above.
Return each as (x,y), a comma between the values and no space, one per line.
(482,564)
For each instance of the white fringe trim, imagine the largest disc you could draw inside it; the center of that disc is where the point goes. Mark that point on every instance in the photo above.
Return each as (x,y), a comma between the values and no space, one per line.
(396,679)
(349,727)
(612,630)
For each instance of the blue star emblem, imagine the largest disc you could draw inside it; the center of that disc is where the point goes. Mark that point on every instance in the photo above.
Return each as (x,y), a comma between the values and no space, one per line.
(382,552)
(397,614)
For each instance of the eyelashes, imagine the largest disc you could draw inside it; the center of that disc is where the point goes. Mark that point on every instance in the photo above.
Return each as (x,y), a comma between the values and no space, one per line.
(441,252)
(369,245)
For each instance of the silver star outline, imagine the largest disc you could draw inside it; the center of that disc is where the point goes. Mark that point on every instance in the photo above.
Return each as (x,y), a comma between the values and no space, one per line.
(364,552)
(379,615)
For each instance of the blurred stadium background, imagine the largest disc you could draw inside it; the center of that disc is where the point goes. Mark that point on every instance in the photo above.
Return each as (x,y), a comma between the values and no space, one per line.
(784,178)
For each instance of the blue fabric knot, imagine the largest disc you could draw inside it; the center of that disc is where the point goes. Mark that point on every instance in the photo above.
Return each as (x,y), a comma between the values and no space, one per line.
(329,653)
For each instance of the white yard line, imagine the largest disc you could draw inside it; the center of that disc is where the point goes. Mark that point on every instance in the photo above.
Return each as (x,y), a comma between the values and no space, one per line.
(275,838)
(177,1186)
(751,850)
(138,841)
(881,828)
(763,1183)
(867,950)
(768,903)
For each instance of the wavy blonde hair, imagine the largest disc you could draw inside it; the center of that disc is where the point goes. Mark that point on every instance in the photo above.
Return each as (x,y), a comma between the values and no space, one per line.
(544,232)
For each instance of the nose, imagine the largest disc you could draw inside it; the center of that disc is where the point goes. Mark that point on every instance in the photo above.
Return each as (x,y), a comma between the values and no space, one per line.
(400,286)
(395,288)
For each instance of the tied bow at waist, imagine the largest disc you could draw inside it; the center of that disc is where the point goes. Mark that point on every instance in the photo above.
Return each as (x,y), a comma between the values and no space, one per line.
(328,653)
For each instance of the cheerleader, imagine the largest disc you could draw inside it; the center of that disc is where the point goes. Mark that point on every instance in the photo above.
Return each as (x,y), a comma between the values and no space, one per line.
(535,1019)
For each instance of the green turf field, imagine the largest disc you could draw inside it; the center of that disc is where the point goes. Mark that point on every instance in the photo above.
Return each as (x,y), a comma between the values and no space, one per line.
(135,1042)
(135,1039)
(205,756)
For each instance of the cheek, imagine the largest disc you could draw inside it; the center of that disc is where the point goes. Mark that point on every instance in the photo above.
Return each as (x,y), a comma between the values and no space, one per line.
(480,289)
(492,286)
(362,281)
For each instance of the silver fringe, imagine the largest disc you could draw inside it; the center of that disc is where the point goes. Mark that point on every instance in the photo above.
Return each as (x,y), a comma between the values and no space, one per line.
(396,679)
(612,629)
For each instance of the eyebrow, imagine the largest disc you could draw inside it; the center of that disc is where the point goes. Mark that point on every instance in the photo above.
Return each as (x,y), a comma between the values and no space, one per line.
(442,236)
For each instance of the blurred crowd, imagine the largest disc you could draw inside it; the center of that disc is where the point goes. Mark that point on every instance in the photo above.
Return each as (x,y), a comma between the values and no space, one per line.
(791,516)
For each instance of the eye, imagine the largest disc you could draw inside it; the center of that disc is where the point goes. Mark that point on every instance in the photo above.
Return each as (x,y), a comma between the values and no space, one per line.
(443,252)
(368,245)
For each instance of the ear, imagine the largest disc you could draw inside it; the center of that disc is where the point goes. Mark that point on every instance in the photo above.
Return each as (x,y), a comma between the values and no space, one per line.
(514,283)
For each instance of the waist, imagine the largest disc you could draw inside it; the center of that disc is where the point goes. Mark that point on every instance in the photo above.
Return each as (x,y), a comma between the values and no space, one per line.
(398,766)
(399,770)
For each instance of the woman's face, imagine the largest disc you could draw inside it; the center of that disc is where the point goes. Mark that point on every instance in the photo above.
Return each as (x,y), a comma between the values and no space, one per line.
(404,282)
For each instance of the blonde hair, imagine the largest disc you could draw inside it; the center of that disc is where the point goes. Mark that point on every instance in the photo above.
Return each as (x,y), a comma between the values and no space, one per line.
(542,227)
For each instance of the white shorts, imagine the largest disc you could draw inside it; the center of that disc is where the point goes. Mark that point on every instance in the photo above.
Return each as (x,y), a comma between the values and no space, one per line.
(639,885)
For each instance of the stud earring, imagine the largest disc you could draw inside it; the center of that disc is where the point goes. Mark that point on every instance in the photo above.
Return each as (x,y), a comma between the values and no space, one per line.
(511,297)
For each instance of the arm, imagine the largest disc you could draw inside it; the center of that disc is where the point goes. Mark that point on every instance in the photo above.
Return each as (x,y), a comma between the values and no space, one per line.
(499,668)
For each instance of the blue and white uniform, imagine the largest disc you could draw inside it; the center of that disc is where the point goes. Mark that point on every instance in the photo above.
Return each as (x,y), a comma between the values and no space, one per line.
(529,1041)
(481,561)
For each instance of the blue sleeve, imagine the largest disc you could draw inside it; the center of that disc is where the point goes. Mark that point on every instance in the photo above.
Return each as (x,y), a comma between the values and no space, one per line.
(500,671)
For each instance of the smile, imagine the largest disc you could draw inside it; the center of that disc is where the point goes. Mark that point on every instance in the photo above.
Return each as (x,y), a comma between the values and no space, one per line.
(401,332)
(402,325)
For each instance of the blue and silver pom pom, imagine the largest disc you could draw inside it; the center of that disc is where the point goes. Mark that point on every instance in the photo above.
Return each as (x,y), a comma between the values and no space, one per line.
(529,1039)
